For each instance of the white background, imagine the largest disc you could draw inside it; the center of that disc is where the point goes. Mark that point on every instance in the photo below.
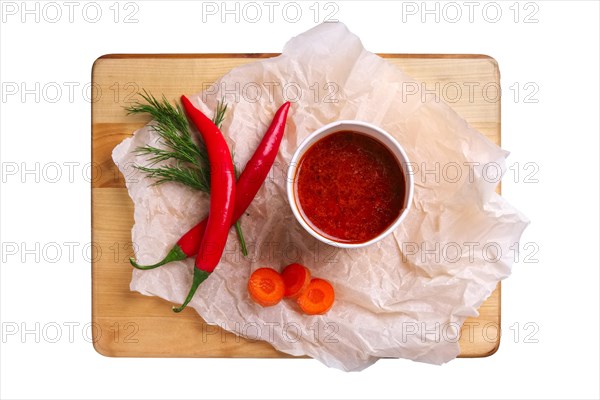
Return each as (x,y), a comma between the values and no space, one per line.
(555,357)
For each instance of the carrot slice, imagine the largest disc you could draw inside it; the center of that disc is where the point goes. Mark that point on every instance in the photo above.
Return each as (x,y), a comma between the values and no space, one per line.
(296,278)
(317,298)
(266,287)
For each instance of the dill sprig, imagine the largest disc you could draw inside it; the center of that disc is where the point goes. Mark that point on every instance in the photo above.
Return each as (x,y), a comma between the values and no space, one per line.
(190,161)
(220,113)
(177,173)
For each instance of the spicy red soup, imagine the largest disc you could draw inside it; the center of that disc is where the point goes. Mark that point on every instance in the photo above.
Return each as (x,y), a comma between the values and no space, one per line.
(350,187)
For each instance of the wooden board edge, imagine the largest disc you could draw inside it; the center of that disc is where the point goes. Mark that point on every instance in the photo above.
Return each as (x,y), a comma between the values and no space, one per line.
(268,55)
(117,56)
(94,319)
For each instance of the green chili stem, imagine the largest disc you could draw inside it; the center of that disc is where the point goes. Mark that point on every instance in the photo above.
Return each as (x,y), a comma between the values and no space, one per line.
(176,254)
(199,277)
(238,228)
(238,225)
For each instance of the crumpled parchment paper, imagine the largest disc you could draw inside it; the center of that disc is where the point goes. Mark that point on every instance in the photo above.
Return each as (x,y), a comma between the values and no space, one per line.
(406,296)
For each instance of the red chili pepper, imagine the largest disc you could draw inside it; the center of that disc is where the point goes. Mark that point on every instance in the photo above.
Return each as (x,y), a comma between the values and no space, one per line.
(222,198)
(247,186)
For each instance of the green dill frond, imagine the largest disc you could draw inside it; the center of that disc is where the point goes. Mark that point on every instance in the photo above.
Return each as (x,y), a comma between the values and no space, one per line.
(171,125)
(177,173)
(220,113)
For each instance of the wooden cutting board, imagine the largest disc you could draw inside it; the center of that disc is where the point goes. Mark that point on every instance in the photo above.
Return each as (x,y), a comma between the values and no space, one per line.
(127,324)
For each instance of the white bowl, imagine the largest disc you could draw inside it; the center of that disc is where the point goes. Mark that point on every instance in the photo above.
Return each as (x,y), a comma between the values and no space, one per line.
(367,129)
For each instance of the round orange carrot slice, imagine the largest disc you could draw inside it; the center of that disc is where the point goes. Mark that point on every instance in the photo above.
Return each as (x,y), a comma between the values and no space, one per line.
(317,298)
(296,278)
(266,287)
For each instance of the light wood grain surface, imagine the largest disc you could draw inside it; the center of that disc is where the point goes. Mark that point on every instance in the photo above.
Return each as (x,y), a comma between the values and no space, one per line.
(127,324)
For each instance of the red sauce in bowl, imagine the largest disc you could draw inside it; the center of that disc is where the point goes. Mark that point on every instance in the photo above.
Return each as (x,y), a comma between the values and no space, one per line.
(349,187)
